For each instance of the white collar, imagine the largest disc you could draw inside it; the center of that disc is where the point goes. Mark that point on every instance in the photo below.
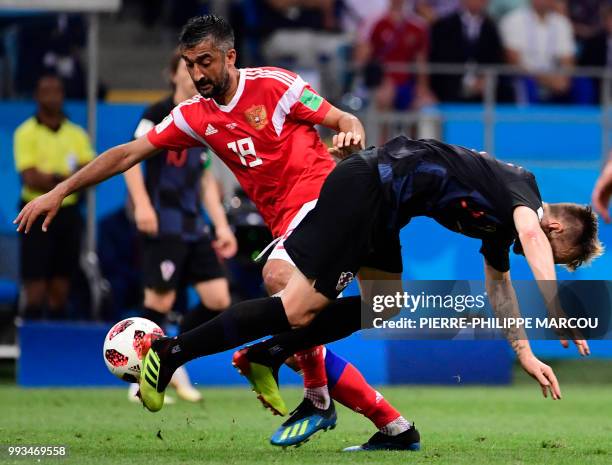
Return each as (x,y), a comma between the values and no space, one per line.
(234,101)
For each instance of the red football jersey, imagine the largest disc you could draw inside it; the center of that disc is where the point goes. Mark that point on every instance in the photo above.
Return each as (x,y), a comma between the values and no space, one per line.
(265,135)
(399,41)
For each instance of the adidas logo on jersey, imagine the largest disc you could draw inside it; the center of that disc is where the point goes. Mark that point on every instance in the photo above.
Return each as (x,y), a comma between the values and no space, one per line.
(210,130)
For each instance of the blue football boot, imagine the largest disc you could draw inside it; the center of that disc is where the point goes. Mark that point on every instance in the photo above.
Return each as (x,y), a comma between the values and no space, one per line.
(305,421)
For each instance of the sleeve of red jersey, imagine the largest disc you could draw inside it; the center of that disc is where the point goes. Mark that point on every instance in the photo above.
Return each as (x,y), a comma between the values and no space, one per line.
(310,106)
(174,133)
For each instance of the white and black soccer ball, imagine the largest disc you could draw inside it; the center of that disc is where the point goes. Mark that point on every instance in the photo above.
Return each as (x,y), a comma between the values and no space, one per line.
(126,344)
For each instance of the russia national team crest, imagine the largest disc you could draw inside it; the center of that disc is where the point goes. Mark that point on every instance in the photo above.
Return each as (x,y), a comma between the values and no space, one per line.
(257,116)
(345,278)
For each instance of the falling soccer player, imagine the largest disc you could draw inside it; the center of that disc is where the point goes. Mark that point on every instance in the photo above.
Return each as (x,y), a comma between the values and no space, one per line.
(465,191)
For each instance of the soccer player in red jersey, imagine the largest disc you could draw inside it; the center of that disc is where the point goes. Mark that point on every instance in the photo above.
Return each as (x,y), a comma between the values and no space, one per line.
(260,122)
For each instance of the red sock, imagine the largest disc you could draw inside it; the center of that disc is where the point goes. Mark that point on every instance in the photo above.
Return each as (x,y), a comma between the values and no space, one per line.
(354,392)
(312,364)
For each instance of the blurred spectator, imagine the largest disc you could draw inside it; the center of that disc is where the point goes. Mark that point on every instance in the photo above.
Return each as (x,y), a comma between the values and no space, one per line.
(433,10)
(597,51)
(48,149)
(499,8)
(397,39)
(466,36)
(59,53)
(585,16)
(300,35)
(292,30)
(541,41)
(357,17)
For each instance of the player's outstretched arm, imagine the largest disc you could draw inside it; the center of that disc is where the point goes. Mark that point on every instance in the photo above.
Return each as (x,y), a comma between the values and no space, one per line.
(505,305)
(539,255)
(110,163)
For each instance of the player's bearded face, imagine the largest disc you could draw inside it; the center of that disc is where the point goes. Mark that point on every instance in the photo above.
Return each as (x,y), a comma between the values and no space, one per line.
(211,87)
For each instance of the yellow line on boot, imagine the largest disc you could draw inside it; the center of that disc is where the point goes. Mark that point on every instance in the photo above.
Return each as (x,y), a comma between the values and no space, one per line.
(294,430)
(285,433)
(303,428)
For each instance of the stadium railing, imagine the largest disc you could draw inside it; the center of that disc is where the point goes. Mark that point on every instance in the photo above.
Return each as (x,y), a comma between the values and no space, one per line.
(426,122)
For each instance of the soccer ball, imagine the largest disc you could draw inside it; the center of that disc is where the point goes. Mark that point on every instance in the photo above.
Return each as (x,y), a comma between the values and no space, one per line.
(126,344)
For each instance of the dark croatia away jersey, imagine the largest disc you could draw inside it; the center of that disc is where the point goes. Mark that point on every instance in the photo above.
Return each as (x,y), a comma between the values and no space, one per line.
(466,191)
(173,181)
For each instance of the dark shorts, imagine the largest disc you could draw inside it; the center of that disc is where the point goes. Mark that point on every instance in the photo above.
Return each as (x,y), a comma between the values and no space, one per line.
(169,263)
(54,254)
(347,229)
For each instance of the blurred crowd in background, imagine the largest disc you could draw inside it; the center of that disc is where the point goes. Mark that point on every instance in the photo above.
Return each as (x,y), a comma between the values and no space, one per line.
(376,50)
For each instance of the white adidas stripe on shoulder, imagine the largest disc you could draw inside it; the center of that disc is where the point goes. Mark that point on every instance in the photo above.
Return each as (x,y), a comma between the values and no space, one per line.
(271,74)
(278,72)
(279,76)
(268,77)
(283,106)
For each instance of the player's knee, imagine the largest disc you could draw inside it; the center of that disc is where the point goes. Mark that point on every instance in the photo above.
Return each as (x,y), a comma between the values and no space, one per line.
(35,293)
(217,302)
(276,276)
(300,318)
(161,301)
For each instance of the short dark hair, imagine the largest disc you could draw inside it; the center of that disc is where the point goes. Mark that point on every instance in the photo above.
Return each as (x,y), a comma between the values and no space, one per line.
(199,28)
(583,221)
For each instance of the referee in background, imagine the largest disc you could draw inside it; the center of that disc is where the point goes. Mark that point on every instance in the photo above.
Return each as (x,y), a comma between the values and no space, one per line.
(177,251)
(47,149)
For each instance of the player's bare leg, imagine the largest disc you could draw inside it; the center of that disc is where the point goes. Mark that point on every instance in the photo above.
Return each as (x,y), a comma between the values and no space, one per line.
(34,294)
(58,289)
(276,274)
(214,294)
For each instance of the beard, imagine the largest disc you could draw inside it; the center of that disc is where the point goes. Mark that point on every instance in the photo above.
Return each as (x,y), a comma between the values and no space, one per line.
(212,89)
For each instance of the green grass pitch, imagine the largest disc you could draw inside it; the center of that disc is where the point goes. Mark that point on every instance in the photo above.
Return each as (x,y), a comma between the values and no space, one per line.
(459,425)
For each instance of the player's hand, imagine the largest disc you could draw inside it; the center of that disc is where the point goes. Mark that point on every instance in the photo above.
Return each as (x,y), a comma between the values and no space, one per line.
(225,243)
(543,374)
(570,333)
(600,198)
(581,345)
(47,204)
(345,144)
(146,219)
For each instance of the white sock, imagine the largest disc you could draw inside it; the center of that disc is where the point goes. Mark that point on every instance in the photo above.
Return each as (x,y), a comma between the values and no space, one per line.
(180,379)
(319,397)
(395,427)
(133,389)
